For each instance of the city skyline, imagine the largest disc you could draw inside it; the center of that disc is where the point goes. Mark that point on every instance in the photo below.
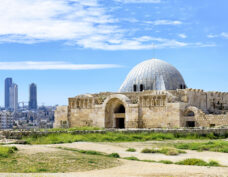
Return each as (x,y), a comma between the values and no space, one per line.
(11,96)
(76,47)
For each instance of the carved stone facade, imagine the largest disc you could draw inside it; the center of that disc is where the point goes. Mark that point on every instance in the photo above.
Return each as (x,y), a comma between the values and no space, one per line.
(146,109)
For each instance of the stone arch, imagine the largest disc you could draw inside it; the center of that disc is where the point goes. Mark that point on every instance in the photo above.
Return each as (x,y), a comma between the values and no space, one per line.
(191,111)
(115,107)
(194,117)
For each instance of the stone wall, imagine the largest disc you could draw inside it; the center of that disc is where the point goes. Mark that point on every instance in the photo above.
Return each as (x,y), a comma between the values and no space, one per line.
(61,117)
(202,119)
(161,116)
(87,117)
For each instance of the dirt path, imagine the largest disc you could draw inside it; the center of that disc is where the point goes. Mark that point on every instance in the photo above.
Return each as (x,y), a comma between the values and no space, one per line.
(140,169)
(222,158)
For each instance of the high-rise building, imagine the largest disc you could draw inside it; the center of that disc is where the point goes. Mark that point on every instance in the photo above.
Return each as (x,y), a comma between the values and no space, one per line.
(8,84)
(32,96)
(13,97)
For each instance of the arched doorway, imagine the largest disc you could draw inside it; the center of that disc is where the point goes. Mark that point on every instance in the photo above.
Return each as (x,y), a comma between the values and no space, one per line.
(119,114)
(115,114)
(190,116)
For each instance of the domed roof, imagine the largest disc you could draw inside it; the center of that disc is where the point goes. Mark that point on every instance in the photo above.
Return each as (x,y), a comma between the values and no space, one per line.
(153,74)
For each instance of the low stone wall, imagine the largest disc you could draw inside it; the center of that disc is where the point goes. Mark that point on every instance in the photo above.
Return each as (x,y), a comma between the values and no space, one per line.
(10,134)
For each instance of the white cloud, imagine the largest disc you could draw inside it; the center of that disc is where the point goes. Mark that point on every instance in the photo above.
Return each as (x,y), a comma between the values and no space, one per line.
(140,43)
(225,35)
(212,36)
(139,1)
(183,36)
(164,22)
(52,65)
(45,20)
(83,23)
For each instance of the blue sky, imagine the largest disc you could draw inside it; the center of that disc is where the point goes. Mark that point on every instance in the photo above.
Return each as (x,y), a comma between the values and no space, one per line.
(71,47)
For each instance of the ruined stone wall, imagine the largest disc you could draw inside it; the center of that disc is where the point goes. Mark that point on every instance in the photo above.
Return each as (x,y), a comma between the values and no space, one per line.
(217,102)
(81,117)
(217,120)
(161,116)
(156,111)
(202,119)
(61,117)
(86,110)
(208,102)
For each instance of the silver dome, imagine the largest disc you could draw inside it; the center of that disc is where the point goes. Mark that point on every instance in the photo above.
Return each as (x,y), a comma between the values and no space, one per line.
(153,74)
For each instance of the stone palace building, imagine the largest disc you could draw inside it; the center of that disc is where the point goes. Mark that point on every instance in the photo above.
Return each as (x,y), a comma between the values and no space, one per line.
(154,95)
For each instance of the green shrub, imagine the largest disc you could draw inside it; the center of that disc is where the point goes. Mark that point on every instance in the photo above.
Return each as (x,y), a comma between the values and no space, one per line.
(148,160)
(131,150)
(164,150)
(90,152)
(213,163)
(131,158)
(193,161)
(146,150)
(5,151)
(115,155)
(165,161)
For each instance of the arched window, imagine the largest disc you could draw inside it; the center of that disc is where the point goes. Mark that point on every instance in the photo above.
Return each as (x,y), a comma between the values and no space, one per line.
(184,87)
(181,86)
(190,113)
(141,87)
(134,87)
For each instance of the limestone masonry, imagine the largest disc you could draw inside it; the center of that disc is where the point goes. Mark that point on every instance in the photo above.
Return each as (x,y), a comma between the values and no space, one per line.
(154,95)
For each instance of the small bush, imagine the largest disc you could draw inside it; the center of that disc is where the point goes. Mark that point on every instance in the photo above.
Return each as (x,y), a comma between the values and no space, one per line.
(90,152)
(213,163)
(165,161)
(170,151)
(42,170)
(148,160)
(165,150)
(14,148)
(5,151)
(149,151)
(114,155)
(197,162)
(131,150)
(131,158)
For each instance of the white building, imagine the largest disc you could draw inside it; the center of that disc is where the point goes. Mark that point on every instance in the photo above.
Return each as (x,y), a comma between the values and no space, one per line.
(13,97)
(6,120)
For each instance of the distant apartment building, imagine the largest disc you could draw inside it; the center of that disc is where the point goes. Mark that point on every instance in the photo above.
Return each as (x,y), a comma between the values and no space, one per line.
(6,120)
(32,96)
(8,84)
(13,97)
